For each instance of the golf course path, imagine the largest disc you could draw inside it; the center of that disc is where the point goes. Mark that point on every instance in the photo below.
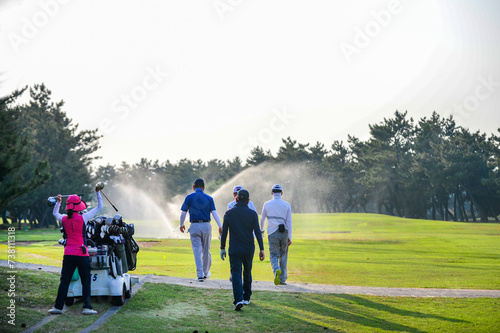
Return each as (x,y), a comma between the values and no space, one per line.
(296,287)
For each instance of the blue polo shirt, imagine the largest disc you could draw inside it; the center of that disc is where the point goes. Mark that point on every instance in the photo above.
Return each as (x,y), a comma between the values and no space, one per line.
(199,205)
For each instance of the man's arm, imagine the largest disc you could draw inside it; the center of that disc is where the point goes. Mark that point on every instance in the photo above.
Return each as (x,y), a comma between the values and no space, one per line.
(252,206)
(258,235)
(217,219)
(184,208)
(289,224)
(257,232)
(182,219)
(263,218)
(225,228)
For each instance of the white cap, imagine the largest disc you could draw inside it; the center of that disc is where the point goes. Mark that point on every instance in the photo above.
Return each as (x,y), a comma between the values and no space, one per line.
(277,187)
(237,188)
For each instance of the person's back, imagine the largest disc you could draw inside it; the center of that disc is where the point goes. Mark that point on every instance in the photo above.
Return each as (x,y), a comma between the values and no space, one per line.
(200,206)
(279,232)
(242,221)
(277,211)
(236,189)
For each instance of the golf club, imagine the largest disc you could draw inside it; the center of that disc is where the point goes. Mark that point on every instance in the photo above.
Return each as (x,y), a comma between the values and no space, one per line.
(99,186)
(51,201)
(109,201)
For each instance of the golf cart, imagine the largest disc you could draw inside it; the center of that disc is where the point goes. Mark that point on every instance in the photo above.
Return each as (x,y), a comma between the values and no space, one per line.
(112,253)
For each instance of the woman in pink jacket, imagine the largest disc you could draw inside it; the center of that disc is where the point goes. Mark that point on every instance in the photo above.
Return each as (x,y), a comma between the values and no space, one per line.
(75,250)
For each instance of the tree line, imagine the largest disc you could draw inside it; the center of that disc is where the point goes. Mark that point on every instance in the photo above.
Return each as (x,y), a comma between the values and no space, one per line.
(428,169)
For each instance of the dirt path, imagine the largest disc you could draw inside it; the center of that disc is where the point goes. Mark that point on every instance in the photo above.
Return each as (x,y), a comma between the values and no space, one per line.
(298,287)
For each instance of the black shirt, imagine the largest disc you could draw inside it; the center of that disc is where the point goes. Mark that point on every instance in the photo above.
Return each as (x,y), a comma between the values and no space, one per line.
(241,222)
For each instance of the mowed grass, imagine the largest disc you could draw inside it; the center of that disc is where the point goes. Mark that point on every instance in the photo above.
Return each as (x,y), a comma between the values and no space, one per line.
(340,249)
(172,308)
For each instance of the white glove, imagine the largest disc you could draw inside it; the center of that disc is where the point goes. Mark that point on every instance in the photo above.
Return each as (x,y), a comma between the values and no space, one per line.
(62,241)
(104,231)
(90,230)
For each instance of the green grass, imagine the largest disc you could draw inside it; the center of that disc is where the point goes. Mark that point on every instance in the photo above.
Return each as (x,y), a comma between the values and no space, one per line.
(34,295)
(171,308)
(344,249)
(340,249)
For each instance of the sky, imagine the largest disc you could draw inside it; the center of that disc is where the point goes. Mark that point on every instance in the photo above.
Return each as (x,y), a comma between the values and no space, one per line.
(199,79)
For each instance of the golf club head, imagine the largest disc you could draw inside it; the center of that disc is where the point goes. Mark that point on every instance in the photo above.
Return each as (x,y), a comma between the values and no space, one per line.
(109,221)
(99,186)
(117,219)
(51,201)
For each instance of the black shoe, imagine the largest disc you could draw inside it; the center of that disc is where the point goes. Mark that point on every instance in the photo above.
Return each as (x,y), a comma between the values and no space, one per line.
(238,306)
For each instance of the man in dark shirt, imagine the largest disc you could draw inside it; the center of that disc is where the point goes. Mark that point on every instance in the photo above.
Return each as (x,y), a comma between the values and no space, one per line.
(241,222)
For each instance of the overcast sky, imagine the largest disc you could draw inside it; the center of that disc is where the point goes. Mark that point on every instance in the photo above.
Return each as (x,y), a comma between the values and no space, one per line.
(212,79)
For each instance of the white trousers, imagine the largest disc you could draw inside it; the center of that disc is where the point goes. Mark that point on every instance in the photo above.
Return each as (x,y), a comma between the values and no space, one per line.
(201,236)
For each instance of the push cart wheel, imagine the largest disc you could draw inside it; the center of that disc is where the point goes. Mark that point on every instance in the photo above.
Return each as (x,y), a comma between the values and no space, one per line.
(69,301)
(120,300)
(128,293)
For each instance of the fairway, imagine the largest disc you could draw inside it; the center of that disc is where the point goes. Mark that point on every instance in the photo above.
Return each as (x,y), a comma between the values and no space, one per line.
(172,308)
(340,249)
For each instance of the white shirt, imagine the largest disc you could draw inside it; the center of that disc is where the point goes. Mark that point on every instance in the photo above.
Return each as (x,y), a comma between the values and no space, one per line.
(277,211)
(87,216)
(250,205)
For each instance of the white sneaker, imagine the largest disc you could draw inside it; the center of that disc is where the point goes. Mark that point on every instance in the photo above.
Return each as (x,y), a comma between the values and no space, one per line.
(208,275)
(200,279)
(55,311)
(246,302)
(89,311)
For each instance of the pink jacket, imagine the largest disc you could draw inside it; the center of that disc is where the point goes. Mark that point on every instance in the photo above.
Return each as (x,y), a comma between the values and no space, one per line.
(74,229)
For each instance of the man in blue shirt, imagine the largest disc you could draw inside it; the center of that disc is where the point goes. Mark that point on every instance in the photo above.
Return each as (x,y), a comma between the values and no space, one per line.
(241,222)
(200,205)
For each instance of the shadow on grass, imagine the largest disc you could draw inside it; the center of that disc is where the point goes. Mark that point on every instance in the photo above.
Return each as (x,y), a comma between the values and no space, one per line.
(334,318)
(386,308)
(350,311)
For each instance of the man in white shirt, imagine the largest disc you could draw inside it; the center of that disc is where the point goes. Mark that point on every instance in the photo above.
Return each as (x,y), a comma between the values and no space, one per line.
(235,193)
(279,232)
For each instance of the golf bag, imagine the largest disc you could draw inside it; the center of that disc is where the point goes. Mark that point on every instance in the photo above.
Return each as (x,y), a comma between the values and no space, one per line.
(118,236)
(131,249)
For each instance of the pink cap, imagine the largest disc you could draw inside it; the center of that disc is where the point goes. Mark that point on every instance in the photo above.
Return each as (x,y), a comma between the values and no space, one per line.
(75,203)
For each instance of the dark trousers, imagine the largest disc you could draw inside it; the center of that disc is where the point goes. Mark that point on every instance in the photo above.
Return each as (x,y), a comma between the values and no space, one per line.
(68,268)
(241,292)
